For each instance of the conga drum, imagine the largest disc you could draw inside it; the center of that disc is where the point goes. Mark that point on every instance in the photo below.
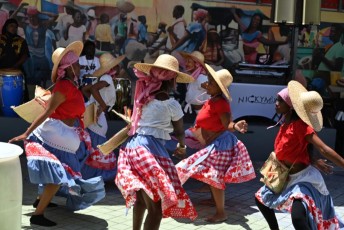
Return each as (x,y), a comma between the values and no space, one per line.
(11,90)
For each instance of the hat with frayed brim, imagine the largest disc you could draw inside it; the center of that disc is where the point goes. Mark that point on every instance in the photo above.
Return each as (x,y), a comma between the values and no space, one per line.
(107,62)
(114,141)
(30,110)
(167,62)
(75,47)
(223,79)
(195,55)
(90,114)
(125,6)
(307,104)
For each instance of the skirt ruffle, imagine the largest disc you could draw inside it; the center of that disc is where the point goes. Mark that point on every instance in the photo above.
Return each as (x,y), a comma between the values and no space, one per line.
(318,202)
(143,163)
(225,160)
(48,165)
(98,164)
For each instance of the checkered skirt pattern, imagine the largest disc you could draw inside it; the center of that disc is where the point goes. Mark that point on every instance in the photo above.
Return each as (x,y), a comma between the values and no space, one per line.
(138,169)
(226,160)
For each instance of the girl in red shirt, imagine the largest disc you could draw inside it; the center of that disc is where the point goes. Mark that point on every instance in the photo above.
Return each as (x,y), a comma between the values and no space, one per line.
(305,195)
(223,158)
(51,142)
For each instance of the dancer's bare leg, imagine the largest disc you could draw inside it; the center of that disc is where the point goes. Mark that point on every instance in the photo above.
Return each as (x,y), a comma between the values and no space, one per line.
(154,216)
(45,198)
(139,211)
(219,198)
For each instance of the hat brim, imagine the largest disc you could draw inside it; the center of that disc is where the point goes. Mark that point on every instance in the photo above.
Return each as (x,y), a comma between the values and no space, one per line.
(181,77)
(315,121)
(224,90)
(75,47)
(189,55)
(109,65)
(114,141)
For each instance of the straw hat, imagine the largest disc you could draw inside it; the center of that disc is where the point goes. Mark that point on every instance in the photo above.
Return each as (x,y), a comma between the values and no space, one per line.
(125,6)
(307,104)
(195,55)
(107,62)
(114,141)
(223,79)
(75,47)
(167,62)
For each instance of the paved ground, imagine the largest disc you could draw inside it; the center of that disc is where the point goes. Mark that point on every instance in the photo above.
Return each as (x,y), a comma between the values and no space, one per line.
(110,212)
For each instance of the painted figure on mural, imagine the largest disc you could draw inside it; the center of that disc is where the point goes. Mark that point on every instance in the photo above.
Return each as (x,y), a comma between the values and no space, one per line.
(37,68)
(252,36)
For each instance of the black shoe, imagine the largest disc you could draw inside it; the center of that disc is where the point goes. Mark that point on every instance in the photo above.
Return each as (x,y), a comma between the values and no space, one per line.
(50,205)
(41,221)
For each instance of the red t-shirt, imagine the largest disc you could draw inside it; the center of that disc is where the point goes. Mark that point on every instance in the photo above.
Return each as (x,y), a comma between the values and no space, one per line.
(291,144)
(73,106)
(208,117)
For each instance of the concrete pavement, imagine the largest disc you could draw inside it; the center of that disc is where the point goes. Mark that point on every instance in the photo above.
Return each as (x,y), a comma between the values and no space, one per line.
(110,212)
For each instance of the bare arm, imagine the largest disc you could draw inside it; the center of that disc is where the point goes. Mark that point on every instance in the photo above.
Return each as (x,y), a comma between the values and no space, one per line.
(56,99)
(268,42)
(181,41)
(94,90)
(238,19)
(227,121)
(325,150)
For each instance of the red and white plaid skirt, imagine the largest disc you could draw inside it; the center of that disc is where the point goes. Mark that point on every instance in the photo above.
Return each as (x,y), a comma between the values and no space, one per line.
(138,168)
(225,160)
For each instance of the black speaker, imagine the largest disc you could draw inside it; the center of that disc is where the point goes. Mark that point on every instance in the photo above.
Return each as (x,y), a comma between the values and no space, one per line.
(296,12)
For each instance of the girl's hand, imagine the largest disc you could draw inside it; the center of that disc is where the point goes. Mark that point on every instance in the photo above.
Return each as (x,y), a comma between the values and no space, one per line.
(241,126)
(180,153)
(322,166)
(18,138)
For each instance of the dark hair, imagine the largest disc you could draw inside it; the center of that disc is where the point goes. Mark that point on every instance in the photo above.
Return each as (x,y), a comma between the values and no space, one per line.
(87,44)
(260,23)
(8,21)
(104,18)
(142,19)
(180,9)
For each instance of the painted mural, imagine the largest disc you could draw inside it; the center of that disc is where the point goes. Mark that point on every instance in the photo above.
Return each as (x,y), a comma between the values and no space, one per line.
(226,33)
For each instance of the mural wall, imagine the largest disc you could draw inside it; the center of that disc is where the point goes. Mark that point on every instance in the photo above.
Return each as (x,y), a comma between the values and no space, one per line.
(227,33)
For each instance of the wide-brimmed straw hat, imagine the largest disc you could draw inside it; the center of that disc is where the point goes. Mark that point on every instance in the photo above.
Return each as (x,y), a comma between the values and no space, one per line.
(195,55)
(125,6)
(223,79)
(307,104)
(107,62)
(167,62)
(75,47)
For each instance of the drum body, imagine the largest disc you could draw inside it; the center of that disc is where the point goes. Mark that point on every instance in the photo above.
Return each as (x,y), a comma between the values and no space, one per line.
(11,90)
(123,93)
